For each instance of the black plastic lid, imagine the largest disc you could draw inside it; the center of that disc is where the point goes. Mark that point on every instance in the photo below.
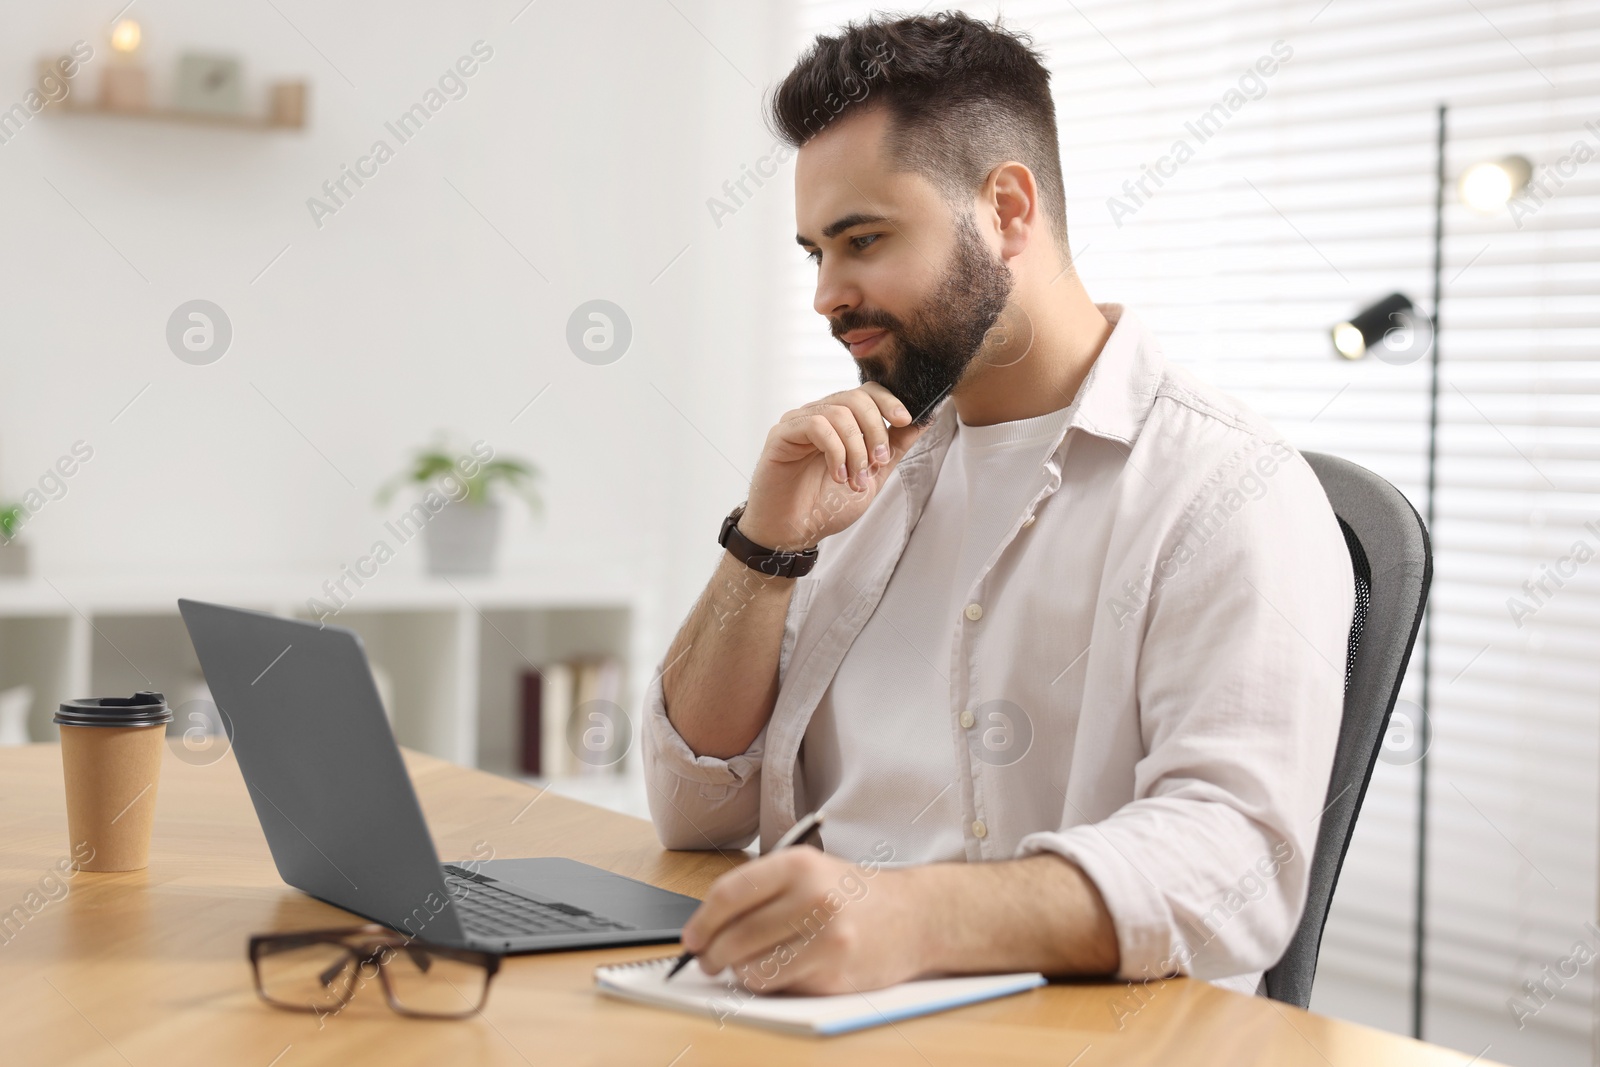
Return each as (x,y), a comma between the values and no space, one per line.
(144,708)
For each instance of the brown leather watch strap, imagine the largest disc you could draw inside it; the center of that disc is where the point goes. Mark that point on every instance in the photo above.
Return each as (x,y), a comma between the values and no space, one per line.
(768,561)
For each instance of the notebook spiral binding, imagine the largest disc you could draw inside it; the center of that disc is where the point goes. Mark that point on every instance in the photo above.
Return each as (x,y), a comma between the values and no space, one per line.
(654,961)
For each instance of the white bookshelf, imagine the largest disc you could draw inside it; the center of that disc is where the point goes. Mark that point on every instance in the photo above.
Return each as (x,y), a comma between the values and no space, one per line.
(454,650)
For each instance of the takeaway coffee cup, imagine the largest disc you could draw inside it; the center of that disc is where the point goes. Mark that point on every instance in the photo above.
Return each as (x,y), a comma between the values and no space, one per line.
(111,756)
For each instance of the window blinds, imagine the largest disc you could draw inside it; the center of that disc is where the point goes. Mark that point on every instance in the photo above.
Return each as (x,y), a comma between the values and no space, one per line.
(1305,194)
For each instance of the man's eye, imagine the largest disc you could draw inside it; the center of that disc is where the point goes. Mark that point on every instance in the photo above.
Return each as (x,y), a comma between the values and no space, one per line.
(859,243)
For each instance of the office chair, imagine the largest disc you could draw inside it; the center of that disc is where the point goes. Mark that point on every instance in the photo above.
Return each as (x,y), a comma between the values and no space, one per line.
(1393,562)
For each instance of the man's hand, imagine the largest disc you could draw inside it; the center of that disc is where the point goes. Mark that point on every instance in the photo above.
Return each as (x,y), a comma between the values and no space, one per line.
(806,922)
(799,920)
(820,468)
(823,464)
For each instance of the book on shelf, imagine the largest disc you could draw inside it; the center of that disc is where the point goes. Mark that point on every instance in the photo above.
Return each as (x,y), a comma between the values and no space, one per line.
(572,719)
(532,690)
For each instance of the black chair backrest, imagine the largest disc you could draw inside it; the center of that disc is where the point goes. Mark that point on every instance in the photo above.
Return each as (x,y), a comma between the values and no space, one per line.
(1393,562)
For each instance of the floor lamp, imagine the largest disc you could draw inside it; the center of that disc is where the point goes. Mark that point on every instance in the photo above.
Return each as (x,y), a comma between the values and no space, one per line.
(1392,330)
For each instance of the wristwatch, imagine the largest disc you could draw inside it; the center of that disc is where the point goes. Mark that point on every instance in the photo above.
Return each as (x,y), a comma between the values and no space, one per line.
(768,561)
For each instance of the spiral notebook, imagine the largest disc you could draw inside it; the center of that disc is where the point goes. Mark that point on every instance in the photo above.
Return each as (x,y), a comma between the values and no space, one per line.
(725,1001)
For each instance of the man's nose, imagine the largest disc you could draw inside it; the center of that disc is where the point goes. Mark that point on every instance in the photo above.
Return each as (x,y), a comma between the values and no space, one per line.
(835,295)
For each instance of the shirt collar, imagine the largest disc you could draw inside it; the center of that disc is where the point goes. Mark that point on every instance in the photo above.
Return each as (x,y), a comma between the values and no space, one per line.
(1115,396)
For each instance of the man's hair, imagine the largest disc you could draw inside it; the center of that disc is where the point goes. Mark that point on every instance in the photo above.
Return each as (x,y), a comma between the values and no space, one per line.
(962,95)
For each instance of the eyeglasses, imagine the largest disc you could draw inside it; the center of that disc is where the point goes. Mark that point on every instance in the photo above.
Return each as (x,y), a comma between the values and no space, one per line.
(320,970)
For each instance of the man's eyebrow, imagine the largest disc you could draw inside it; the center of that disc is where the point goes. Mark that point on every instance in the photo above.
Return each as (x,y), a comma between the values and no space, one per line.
(838,226)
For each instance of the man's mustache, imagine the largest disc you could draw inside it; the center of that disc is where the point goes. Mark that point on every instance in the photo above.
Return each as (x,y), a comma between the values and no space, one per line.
(840,327)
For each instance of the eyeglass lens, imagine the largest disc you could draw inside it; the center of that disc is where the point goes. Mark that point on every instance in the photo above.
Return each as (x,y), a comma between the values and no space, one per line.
(323,976)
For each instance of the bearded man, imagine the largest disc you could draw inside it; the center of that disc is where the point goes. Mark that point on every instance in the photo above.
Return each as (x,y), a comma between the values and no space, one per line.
(1052,633)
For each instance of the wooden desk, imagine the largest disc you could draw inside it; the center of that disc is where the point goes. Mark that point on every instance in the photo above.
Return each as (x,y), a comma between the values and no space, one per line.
(149,967)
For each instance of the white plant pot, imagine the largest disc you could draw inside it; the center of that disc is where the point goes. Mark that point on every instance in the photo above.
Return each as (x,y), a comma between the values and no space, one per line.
(13,559)
(14,707)
(463,539)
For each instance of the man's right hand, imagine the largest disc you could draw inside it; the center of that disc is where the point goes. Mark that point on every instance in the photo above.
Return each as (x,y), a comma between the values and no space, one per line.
(822,464)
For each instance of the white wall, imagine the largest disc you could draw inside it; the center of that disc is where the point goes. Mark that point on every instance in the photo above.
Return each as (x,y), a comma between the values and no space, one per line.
(590,140)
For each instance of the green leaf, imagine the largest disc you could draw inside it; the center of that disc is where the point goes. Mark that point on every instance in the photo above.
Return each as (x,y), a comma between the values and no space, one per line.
(428,465)
(11,518)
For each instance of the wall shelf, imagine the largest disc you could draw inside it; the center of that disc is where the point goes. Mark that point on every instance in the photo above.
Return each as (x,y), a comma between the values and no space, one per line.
(189,118)
(454,650)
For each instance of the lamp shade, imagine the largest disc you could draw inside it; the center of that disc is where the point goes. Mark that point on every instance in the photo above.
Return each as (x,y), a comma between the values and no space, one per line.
(1487,187)
(1391,329)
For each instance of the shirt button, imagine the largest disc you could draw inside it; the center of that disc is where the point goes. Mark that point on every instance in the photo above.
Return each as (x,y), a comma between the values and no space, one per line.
(974,611)
(978,829)
(1027,522)
(967,720)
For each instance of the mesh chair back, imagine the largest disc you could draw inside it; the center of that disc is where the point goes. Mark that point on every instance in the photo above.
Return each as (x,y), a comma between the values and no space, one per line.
(1393,563)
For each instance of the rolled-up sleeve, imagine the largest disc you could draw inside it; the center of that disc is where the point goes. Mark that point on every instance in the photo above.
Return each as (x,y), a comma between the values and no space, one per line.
(1239,681)
(698,802)
(702,802)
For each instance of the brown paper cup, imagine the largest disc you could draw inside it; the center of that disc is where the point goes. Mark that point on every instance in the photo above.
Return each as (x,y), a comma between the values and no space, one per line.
(111,774)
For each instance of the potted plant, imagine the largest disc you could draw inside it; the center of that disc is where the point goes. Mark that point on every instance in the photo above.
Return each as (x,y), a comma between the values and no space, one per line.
(460,508)
(13,553)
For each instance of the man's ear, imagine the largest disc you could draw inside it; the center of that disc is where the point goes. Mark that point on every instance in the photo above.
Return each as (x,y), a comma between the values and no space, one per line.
(1011,198)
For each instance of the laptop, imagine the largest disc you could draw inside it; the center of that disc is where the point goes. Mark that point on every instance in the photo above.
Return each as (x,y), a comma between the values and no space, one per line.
(342,820)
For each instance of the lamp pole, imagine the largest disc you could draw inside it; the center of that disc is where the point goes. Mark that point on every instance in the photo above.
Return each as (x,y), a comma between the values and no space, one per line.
(1419,929)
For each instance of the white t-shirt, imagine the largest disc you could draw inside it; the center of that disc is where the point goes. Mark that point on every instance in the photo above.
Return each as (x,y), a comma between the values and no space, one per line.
(882,747)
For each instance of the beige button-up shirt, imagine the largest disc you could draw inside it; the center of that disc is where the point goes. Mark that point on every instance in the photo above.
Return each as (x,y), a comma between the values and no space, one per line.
(1166,616)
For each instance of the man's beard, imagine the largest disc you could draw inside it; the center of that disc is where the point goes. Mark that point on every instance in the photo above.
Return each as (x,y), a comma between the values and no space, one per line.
(933,351)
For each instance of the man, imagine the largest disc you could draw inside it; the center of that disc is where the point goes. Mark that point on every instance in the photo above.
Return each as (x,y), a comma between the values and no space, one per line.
(1067,675)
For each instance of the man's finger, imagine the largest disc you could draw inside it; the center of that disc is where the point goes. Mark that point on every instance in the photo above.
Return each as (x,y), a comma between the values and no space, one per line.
(807,968)
(731,895)
(783,966)
(894,412)
(752,937)
(846,424)
(812,430)
(869,416)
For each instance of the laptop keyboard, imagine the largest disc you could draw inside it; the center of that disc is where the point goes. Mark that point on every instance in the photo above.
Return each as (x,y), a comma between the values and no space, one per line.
(487,910)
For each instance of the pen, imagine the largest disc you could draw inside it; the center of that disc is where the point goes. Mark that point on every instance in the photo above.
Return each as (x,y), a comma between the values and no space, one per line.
(793,836)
